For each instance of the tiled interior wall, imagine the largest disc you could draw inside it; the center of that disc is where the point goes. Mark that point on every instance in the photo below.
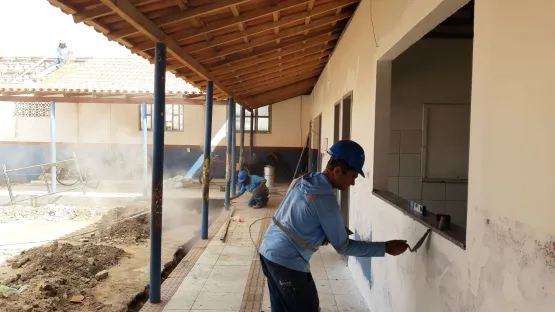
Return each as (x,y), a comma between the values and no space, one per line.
(404,178)
(432,71)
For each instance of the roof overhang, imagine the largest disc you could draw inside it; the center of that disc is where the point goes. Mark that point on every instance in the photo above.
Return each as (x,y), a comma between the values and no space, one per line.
(253,50)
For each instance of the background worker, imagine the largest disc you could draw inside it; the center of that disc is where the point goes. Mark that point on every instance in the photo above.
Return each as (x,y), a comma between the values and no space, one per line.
(308,217)
(254,184)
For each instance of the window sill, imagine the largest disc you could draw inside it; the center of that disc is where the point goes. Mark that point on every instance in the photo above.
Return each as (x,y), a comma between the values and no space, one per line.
(455,233)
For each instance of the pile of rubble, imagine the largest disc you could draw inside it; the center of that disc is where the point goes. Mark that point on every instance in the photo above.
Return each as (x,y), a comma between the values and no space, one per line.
(59,277)
(50,212)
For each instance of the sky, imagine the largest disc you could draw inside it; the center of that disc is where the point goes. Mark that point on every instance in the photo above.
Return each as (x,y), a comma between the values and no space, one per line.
(34,27)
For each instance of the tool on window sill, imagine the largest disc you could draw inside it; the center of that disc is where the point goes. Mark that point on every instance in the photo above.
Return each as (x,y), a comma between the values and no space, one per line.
(443,221)
(420,241)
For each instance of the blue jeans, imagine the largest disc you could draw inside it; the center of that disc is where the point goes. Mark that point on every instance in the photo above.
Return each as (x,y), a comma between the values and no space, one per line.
(290,290)
(261,199)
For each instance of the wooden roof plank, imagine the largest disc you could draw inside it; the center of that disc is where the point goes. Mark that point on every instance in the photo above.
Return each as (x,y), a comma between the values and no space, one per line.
(220,24)
(128,12)
(280,94)
(277,68)
(266,56)
(331,6)
(283,34)
(279,79)
(182,15)
(320,50)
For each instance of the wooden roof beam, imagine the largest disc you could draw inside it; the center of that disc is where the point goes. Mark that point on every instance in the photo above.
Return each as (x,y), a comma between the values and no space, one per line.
(313,40)
(134,17)
(182,16)
(278,22)
(102,10)
(311,63)
(71,10)
(280,67)
(278,79)
(283,34)
(318,50)
(245,17)
(277,84)
(280,94)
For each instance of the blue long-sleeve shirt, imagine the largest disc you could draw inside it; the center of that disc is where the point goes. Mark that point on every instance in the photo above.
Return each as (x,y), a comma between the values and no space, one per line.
(253,185)
(310,211)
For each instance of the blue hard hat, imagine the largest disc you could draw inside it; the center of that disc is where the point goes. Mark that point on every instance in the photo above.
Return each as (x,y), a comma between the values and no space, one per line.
(242,176)
(350,152)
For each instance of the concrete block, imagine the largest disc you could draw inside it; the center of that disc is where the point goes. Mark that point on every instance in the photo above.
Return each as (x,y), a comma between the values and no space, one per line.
(394,142)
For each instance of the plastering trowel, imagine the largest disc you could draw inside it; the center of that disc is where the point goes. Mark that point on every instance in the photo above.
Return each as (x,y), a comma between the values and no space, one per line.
(420,241)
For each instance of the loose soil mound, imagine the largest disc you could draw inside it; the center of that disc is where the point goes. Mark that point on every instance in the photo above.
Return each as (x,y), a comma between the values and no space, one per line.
(52,275)
(127,225)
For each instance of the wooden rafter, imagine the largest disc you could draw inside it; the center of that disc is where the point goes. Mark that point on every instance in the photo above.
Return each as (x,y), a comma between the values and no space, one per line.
(283,34)
(332,6)
(246,47)
(280,94)
(134,17)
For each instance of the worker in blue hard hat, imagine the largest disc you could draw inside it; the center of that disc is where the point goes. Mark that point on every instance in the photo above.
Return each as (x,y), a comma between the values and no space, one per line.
(254,184)
(308,217)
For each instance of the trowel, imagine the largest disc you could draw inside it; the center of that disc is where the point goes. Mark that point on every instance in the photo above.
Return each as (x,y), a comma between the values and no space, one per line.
(420,241)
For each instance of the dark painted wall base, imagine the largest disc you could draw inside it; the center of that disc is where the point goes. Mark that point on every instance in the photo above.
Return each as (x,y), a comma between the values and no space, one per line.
(124,162)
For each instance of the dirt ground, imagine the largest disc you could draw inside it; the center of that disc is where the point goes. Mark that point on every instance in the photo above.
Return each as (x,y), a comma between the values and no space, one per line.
(102,267)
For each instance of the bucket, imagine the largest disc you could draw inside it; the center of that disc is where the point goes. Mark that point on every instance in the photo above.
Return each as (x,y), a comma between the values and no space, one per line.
(269,175)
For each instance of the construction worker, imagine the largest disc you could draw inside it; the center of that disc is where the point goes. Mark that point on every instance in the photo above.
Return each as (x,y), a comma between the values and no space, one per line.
(254,184)
(62,54)
(308,217)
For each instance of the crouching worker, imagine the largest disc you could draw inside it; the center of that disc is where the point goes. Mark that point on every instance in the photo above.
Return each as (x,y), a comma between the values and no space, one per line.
(254,184)
(307,218)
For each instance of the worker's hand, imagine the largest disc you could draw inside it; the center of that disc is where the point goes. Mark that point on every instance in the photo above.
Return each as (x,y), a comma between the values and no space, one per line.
(396,247)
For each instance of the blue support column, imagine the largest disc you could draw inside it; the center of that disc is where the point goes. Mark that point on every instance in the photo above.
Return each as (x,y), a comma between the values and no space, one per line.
(242,138)
(157,172)
(251,141)
(145,148)
(233,153)
(206,169)
(53,145)
(230,105)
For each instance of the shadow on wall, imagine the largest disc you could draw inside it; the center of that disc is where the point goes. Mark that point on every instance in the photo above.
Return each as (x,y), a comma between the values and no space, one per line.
(365,262)
(125,161)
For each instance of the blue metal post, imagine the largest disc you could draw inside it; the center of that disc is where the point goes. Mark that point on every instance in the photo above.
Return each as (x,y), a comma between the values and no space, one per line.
(233,153)
(53,145)
(145,148)
(251,141)
(206,169)
(230,104)
(242,139)
(157,172)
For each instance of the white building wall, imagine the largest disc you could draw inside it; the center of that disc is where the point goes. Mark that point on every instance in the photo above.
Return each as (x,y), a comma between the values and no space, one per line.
(509,261)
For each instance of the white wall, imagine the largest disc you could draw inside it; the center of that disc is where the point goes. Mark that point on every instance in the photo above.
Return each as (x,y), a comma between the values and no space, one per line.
(509,262)
(119,124)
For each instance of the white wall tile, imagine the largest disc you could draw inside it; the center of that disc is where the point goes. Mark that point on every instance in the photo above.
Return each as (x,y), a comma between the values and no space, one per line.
(393,163)
(457,210)
(406,117)
(393,185)
(457,191)
(394,142)
(409,165)
(434,206)
(411,142)
(409,188)
(433,191)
